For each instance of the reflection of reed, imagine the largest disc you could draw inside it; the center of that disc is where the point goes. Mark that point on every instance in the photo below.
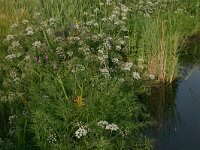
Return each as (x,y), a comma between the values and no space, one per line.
(161,104)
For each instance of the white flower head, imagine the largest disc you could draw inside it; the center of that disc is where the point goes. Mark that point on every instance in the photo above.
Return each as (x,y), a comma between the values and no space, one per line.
(112,127)
(126,66)
(59,49)
(115,60)
(15,44)
(70,53)
(11,118)
(102,124)
(44,24)
(37,44)
(121,42)
(25,21)
(27,57)
(96,10)
(52,139)
(118,47)
(95,24)
(85,13)
(107,45)
(14,26)
(108,2)
(9,37)
(78,68)
(100,50)
(141,60)
(105,72)
(101,4)
(11,57)
(13,74)
(81,132)
(59,39)
(121,80)
(124,8)
(49,31)
(52,22)
(29,31)
(151,76)
(36,15)
(104,19)
(136,75)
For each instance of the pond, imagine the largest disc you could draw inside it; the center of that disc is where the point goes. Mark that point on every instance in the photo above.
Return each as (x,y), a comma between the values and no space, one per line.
(176,109)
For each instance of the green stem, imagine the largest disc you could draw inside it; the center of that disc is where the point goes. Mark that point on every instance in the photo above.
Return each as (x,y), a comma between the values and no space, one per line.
(63,89)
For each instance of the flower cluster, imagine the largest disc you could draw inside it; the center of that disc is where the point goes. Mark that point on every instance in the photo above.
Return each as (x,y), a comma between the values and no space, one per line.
(148,7)
(29,31)
(82,131)
(112,127)
(52,138)
(15,25)
(136,75)
(37,44)
(11,118)
(106,49)
(9,38)
(106,125)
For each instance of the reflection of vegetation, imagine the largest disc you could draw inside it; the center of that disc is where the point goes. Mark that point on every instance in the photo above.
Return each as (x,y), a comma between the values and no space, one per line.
(161,104)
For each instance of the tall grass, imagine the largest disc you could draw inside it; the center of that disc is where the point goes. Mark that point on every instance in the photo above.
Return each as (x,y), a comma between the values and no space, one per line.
(157,35)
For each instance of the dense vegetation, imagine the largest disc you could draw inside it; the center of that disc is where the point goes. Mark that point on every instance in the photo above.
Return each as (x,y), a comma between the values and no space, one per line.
(72,72)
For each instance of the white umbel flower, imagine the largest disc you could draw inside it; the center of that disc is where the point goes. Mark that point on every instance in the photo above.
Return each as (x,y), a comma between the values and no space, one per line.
(29,31)
(37,44)
(9,37)
(151,76)
(112,127)
(15,44)
(136,75)
(52,139)
(102,124)
(127,66)
(81,132)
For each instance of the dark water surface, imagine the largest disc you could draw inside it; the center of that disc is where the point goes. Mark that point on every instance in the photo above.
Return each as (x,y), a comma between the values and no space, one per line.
(178,113)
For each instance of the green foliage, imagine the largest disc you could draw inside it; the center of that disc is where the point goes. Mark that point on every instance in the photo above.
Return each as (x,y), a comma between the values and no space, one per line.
(78,64)
(61,86)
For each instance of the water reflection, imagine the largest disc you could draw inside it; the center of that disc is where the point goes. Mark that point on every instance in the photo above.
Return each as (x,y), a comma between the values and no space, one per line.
(163,108)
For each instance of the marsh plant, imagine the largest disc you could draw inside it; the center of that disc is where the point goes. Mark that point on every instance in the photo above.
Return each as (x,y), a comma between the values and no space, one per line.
(76,90)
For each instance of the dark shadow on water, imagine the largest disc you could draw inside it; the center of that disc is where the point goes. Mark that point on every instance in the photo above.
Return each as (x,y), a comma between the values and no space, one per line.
(163,109)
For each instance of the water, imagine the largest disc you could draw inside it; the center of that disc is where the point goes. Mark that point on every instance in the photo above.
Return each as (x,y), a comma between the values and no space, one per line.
(180,130)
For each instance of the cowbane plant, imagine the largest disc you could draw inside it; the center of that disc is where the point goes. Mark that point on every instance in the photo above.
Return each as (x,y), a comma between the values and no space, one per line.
(106,125)
(84,76)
